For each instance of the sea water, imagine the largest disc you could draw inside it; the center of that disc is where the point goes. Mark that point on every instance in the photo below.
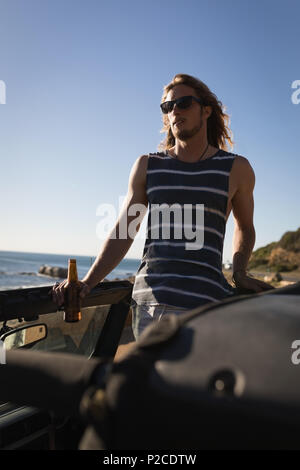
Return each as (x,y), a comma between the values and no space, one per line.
(19,269)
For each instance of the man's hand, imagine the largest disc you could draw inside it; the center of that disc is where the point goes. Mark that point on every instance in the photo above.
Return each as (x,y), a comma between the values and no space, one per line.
(58,291)
(242,281)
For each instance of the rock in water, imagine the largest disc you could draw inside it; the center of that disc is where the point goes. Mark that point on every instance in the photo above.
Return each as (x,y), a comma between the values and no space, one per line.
(54,271)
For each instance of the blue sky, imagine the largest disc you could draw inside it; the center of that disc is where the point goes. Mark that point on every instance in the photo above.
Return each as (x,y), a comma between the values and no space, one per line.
(83,85)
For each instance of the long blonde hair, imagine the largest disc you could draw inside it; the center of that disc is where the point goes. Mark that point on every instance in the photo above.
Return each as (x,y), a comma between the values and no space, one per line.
(218,131)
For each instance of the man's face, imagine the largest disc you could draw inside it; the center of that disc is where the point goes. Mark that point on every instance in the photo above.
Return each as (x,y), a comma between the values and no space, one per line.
(185,123)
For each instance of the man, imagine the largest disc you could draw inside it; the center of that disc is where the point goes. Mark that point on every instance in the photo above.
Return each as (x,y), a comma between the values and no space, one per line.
(193,172)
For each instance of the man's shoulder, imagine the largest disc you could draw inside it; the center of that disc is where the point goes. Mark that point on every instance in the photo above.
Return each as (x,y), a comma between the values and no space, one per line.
(146,156)
(141,162)
(242,163)
(242,171)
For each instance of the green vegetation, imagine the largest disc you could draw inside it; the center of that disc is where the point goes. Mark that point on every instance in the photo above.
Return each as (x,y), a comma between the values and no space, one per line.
(260,257)
(291,241)
(281,256)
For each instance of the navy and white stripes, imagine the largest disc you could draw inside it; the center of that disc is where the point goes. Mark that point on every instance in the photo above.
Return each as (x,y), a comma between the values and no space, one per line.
(170,273)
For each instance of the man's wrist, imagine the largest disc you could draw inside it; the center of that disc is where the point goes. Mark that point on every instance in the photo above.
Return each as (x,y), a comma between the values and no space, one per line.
(238,274)
(87,283)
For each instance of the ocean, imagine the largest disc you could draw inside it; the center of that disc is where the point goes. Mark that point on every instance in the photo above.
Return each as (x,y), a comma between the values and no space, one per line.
(19,270)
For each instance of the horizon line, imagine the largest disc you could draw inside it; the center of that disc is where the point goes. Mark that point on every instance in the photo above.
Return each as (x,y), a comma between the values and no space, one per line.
(61,254)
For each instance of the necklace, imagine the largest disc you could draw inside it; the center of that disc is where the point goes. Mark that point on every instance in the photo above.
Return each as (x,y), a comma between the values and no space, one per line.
(199,158)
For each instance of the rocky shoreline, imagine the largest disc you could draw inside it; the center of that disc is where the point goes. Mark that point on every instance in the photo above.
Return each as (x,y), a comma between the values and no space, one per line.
(275,279)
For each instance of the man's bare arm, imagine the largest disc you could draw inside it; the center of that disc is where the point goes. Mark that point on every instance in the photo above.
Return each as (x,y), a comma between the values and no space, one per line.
(244,231)
(243,209)
(116,245)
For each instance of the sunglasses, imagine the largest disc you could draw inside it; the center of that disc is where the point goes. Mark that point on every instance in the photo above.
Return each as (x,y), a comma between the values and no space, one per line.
(182,103)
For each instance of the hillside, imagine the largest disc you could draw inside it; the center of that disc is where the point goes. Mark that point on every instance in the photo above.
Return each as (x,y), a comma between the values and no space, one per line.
(283,255)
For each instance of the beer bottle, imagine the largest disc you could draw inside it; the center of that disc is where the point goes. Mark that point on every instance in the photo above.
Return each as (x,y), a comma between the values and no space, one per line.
(72,311)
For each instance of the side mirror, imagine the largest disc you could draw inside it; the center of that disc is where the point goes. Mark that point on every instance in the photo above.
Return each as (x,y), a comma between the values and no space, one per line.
(24,336)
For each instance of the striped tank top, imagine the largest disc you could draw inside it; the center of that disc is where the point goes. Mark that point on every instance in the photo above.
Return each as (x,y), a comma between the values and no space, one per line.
(185,200)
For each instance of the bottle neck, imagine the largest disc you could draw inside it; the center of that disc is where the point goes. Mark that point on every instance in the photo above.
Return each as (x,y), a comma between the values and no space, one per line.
(72,271)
